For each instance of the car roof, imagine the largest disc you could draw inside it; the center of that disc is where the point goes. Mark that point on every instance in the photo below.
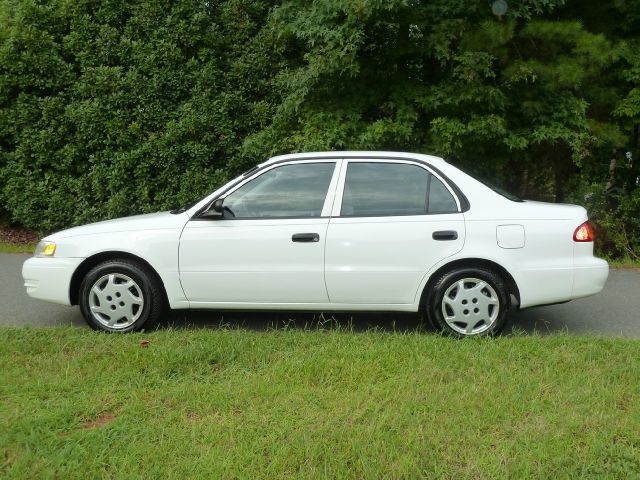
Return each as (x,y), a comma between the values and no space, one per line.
(357,154)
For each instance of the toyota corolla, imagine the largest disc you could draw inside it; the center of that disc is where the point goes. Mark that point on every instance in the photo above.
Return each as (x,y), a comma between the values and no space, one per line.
(332,231)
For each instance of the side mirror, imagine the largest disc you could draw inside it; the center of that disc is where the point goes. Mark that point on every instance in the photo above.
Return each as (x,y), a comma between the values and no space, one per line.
(217,205)
(215,212)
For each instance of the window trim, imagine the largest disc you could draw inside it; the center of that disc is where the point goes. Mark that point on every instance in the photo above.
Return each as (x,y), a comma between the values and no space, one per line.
(341,162)
(337,204)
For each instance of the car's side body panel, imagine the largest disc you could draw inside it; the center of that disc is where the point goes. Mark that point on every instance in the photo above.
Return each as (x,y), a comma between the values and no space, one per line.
(383,259)
(546,250)
(253,261)
(153,238)
(245,261)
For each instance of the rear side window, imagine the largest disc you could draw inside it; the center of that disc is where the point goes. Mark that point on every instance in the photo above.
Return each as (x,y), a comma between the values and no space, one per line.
(388,189)
(440,199)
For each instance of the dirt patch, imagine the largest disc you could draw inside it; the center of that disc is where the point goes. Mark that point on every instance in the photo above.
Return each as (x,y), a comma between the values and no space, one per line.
(99,422)
(18,235)
(211,417)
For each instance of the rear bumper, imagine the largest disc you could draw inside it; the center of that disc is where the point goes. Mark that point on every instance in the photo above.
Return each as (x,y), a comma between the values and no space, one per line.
(589,278)
(547,286)
(49,278)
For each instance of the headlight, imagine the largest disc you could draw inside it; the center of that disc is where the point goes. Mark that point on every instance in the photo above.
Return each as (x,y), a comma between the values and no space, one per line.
(45,249)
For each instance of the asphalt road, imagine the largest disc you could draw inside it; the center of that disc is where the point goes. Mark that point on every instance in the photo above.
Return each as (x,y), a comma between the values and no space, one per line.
(614,312)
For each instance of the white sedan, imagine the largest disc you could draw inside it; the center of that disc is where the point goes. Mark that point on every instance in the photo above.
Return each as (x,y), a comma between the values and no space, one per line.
(331,231)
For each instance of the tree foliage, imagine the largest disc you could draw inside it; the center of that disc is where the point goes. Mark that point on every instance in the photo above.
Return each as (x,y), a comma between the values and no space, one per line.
(115,107)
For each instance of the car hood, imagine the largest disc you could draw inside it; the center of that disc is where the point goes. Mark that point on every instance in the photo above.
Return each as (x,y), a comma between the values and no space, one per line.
(150,221)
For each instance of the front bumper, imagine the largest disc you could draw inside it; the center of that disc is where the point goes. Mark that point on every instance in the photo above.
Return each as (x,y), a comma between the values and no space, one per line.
(49,278)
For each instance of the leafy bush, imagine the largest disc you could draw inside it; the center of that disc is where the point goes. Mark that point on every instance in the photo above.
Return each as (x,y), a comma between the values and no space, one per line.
(617,220)
(110,108)
(114,108)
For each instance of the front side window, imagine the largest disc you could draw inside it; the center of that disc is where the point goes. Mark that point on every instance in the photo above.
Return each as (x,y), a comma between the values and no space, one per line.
(297,190)
(387,189)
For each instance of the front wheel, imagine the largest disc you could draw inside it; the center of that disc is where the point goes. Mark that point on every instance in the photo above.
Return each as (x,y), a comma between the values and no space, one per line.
(469,302)
(120,296)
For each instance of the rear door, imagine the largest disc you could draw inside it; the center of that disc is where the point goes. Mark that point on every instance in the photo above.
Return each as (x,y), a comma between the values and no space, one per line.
(392,221)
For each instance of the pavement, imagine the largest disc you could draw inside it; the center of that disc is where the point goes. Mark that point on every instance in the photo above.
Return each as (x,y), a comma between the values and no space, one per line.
(613,312)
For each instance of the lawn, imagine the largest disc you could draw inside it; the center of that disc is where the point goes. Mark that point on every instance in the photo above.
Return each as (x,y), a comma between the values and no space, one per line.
(309,404)
(6,247)
(624,263)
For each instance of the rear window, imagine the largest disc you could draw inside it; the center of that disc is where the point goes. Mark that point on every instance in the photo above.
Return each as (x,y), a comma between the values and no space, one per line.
(487,183)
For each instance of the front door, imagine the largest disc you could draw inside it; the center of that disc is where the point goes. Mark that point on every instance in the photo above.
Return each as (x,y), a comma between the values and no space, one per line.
(269,246)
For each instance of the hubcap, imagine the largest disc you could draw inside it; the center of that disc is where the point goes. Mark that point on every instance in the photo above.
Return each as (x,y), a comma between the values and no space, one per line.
(470,306)
(116,301)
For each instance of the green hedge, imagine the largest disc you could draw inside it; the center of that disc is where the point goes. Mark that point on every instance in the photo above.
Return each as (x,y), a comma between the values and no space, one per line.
(110,108)
(114,108)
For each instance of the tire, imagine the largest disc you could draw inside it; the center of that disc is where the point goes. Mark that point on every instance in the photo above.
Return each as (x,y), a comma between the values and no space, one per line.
(468,302)
(121,295)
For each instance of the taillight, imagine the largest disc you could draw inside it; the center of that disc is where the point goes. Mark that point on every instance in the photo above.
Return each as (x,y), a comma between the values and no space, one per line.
(584,233)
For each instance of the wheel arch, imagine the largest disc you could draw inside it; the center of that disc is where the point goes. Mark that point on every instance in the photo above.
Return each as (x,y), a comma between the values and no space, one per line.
(510,283)
(90,262)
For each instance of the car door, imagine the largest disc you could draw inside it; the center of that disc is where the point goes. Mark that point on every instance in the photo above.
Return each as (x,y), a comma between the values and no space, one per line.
(269,246)
(392,221)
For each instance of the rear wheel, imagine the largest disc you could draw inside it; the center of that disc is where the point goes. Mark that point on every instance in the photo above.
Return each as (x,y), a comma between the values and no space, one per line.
(469,302)
(120,296)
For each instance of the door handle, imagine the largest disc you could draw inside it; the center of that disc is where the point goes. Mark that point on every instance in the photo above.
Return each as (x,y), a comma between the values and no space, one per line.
(445,235)
(305,237)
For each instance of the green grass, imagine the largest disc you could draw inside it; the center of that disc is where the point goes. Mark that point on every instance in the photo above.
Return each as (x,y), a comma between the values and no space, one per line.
(626,262)
(16,247)
(309,404)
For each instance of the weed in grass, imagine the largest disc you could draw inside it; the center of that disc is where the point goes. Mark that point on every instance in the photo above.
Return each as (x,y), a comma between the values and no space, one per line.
(625,263)
(16,248)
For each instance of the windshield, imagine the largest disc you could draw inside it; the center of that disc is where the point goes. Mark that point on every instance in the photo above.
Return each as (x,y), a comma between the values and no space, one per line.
(500,191)
(186,207)
(182,209)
